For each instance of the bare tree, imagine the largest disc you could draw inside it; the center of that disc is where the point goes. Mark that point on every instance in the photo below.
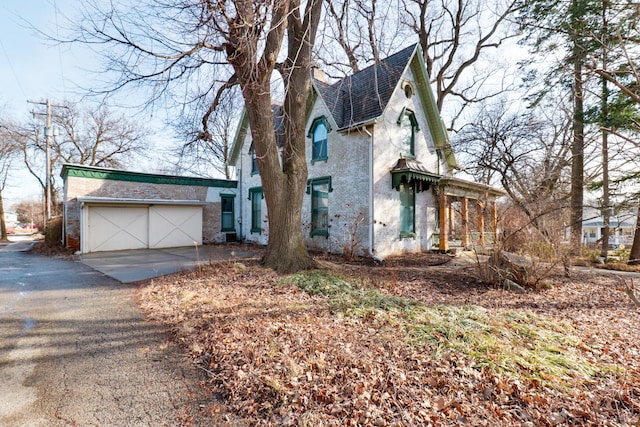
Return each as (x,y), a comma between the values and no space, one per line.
(457,38)
(364,31)
(455,35)
(8,152)
(94,137)
(209,48)
(201,154)
(526,153)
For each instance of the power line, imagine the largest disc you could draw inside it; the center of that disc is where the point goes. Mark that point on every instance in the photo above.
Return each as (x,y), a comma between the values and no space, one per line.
(64,82)
(13,71)
(48,133)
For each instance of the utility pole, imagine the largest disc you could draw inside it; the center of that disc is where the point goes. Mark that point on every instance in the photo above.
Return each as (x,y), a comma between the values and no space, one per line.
(48,133)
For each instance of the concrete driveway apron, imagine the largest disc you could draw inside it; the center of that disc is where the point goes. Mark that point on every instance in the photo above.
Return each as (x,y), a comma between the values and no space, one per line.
(76,351)
(141,264)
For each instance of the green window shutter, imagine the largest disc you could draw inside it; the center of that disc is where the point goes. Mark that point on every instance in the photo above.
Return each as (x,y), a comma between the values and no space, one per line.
(254,161)
(408,128)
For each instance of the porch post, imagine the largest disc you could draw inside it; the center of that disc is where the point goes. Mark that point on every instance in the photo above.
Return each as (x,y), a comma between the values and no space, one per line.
(451,219)
(480,211)
(444,234)
(465,223)
(494,221)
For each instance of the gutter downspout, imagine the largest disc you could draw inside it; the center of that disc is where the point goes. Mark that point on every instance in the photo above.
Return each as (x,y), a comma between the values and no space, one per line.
(240,179)
(372,247)
(63,239)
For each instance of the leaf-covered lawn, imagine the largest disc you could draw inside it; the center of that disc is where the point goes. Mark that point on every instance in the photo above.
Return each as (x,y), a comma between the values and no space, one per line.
(410,343)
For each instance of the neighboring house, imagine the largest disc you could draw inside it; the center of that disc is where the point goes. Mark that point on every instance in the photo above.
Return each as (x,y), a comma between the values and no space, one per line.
(10,221)
(380,167)
(620,232)
(108,209)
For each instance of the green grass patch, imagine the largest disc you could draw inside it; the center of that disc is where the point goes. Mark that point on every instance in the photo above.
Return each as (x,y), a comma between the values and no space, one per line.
(515,343)
(345,294)
(520,344)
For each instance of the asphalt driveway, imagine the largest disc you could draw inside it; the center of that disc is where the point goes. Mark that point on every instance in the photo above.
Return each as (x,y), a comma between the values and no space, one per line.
(76,351)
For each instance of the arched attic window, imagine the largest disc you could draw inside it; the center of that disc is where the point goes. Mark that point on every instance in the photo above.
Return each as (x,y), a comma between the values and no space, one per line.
(319,132)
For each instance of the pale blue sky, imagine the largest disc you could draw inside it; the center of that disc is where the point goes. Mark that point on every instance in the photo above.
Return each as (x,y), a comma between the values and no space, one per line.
(32,67)
(36,69)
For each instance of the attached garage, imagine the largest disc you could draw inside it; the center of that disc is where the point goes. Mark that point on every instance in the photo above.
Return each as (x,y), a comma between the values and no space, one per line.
(111,210)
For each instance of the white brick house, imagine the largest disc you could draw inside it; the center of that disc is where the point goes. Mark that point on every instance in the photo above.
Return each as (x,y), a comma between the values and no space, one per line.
(380,178)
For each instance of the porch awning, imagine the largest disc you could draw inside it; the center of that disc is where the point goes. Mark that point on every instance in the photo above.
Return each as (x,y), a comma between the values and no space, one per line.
(457,187)
(408,170)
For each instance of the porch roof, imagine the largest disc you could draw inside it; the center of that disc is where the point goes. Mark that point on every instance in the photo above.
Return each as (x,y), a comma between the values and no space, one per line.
(407,170)
(457,187)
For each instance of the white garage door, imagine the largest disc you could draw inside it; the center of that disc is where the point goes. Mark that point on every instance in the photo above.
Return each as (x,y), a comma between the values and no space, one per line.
(174,226)
(113,228)
(117,228)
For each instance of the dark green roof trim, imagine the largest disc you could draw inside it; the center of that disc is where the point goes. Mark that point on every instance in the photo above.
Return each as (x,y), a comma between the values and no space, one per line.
(238,140)
(320,180)
(398,177)
(436,125)
(121,175)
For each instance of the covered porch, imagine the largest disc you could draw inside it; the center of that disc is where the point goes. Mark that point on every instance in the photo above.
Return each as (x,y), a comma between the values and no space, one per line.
(467,214)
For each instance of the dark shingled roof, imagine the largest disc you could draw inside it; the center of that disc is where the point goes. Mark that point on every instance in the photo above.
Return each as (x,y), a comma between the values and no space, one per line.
(364,95)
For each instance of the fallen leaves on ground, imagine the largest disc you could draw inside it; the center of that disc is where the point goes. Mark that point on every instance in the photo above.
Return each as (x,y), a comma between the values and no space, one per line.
(409,343)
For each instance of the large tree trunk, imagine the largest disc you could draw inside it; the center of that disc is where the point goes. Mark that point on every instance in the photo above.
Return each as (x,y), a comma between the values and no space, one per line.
(577,151)
(3,227)
(284,176)
(286,251)
(606,212)
(283,186)
(634,257)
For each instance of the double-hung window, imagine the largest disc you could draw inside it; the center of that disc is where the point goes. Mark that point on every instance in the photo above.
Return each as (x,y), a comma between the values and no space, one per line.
(256,196)
(254,161)
(408,129)
(227,202)
(407,210)
(319,133)
(319,188)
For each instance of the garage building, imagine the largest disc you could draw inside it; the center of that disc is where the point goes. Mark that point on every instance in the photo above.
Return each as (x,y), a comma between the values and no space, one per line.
(109,209)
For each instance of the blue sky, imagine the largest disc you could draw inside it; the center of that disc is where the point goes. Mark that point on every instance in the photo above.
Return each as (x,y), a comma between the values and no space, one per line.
(32,67)
(36,69)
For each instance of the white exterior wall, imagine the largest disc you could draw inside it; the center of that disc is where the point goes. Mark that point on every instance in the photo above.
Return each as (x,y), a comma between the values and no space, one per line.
(387,150)
(348,167)
(246,181)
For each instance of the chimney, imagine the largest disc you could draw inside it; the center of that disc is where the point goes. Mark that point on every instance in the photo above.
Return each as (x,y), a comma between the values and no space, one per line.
(318,74)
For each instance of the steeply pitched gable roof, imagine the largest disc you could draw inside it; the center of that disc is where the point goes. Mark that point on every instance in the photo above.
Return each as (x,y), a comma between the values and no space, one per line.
(243,126)
(364,95)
